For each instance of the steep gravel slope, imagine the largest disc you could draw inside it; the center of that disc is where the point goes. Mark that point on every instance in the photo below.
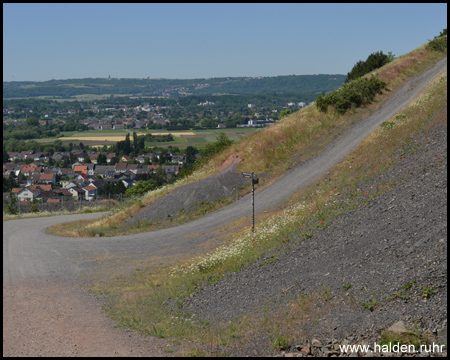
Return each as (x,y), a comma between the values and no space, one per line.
(398,237)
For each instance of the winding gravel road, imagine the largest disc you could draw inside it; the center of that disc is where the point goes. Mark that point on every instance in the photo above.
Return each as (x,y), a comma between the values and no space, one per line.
(35,260)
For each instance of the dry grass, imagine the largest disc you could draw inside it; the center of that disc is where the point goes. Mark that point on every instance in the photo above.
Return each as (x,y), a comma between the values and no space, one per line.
(272,151)
(143,306)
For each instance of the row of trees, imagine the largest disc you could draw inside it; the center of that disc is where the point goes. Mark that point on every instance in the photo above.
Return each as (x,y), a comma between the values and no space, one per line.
(33,130)
(150,87)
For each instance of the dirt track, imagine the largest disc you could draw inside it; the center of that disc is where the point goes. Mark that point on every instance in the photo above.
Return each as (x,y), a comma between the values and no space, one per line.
(45,310)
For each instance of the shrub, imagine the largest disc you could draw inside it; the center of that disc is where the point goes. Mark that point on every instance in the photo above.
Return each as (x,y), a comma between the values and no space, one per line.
(353,94)
(374,61)
(11,205)
(438,44)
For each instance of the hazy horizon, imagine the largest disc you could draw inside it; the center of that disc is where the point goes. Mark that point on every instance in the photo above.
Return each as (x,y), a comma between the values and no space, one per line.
(42,42)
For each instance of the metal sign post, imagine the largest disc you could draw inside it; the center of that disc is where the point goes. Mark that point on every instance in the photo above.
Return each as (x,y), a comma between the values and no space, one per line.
(254,181)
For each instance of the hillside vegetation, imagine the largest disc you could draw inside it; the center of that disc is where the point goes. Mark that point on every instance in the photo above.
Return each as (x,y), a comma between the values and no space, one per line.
(270,152)
(182,301)
(71,88)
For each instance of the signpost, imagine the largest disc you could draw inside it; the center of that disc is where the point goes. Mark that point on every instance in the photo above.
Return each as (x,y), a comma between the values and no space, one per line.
(254,181)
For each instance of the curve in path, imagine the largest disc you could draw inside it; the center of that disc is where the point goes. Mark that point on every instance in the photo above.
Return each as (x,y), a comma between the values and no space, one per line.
(30,256)
(28,252)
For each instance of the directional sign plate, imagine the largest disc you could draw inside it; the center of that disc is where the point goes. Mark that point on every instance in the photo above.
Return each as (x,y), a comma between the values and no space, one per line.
(249,175)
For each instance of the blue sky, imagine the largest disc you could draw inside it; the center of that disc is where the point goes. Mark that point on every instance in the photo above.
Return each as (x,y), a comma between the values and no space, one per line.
(185,41)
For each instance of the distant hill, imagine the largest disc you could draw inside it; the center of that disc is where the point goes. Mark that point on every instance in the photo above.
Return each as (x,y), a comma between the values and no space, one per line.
(70,88)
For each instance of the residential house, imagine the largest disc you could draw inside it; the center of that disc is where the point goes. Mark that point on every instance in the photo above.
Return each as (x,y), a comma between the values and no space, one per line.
(179,159)
(77,164)
(96,182)
(46,195)
(38,165)
(134,167)
(76,192)
(40,156)
(120,167)
(39,188)
(94,157)
(15,155)
(152,168)
(172,169)
(128,174)
(7,170)
(126,181)
(64,193)
(16,191)
(126,158)
(23,194)
(73,183)
(82,156)
(12,164)
(47,178)
(94,126)
(66,172)
(33,179)
(90,192)
(80,169)
(53,170)
(28,154)
(90,169)
(17,173)
(156,155)
(27,170)
(142,174)
(105,170)
(140,159)
(82,177)
(109,157)
(57,156)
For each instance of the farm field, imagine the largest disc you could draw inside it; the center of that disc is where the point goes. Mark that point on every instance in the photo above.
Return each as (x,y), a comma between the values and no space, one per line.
(183,138)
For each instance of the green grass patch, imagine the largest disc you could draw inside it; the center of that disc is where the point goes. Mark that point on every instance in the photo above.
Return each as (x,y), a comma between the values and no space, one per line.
(191,140)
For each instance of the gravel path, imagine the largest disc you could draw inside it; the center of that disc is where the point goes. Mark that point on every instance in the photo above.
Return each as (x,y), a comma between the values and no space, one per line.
(34,260)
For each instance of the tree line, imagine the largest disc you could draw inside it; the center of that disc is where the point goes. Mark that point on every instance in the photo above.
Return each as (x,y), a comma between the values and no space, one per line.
(66,89)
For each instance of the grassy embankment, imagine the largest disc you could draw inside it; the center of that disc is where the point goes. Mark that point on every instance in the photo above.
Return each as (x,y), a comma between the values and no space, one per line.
(270,152)
(141,299)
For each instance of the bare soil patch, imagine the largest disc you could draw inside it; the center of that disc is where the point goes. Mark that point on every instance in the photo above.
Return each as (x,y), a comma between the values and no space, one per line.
(62,320)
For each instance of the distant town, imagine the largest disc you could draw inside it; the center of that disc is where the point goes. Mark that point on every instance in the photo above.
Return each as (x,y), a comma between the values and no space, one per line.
(42,164)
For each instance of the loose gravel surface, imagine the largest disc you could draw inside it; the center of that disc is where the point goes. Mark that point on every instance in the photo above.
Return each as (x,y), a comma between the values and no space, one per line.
(46,310)
(61,319)
(223,185)
(398,237)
